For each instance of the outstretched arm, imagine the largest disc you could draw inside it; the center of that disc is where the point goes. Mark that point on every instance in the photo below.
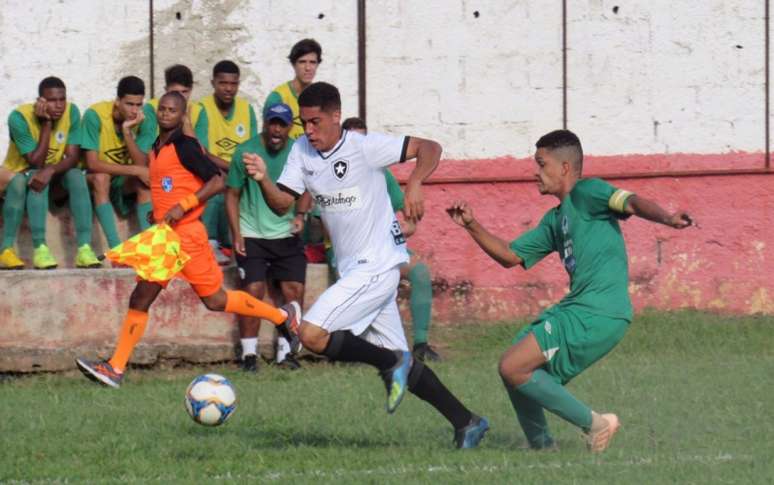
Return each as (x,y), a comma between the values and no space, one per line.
(497,249)
(647,209)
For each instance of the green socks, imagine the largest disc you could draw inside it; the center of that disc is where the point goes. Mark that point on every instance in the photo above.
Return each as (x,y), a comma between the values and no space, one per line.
(532,420)
(107,220)
(142,215)
(13,209)
(80,204)
(37,210)
(420,301)
(544,391)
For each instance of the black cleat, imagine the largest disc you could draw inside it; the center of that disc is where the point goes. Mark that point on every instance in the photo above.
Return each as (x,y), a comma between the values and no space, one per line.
(289,363)
(289,328)
(250,363)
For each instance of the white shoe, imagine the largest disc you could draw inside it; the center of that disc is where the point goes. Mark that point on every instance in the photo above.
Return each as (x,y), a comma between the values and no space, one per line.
(603,427)
(220,258)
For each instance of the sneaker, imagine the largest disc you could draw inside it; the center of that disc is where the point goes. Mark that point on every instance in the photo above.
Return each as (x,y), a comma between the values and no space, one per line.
(42,258)
(396,379)
(85,258)
(220,258)
(100,371)
(250,363)
(290,327)
(289,363)
(425,352)
(9,260)
(603,427)
(472,434)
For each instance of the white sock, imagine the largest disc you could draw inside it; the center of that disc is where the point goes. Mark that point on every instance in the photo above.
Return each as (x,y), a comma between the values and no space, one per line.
(249,346)
(283,349)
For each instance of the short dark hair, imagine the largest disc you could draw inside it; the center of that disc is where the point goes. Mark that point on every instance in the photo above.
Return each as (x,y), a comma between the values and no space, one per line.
(131,85)
(354,123)
(50,82)
(178,74)
(559,139)
(304,47)
(226,67)
(323,95)
(178,97)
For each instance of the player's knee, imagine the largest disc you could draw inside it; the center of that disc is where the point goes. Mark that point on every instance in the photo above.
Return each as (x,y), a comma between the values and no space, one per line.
(100,183)
(215,303)
(313,338)
(509,372)
(255,289)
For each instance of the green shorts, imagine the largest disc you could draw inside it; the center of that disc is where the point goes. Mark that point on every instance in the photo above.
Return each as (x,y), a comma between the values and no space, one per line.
(122,202)
(572,340)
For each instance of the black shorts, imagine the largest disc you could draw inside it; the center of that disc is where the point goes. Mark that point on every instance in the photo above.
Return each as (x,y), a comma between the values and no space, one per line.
(276,259)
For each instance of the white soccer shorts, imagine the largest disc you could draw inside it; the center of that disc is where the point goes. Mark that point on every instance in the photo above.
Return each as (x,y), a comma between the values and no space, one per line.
(365,304)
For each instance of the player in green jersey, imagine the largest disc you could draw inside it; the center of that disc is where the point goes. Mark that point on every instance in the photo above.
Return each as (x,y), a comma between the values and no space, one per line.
(593,317)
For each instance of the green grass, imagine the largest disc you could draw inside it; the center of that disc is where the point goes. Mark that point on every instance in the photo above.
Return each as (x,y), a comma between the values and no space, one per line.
(693,392)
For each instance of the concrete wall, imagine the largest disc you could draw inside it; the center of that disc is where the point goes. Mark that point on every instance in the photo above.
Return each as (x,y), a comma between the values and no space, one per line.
(650,86)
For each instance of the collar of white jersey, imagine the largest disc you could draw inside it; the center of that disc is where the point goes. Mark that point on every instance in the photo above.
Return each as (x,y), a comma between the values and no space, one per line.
(336,148)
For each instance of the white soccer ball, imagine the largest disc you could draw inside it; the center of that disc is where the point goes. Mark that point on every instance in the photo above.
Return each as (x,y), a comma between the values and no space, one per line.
(210,399)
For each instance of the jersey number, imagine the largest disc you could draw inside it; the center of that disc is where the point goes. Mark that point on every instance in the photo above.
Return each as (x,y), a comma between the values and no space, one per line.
(397,234)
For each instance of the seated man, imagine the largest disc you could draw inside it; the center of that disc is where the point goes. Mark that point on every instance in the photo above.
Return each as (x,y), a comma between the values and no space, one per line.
(43,151)
(226,120)
(177,78)
(116,141)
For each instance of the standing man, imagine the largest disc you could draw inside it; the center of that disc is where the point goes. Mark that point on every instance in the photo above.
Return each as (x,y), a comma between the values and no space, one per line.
(305,57)
(226,121)
(416,272)
(590,320)
(116,146)
(357,319)
(267,245)
(44,150)
(182,178)
(177,78)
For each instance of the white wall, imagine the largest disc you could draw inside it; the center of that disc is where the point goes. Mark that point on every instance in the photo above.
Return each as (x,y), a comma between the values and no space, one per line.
(655,77)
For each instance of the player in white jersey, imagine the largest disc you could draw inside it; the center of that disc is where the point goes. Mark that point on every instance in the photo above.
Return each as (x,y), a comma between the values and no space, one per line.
(357,319)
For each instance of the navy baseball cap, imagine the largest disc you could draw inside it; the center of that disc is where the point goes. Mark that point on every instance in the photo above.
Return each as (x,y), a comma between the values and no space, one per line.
(279,111)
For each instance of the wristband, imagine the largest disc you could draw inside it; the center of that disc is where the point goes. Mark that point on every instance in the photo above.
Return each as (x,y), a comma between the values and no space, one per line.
(189,202)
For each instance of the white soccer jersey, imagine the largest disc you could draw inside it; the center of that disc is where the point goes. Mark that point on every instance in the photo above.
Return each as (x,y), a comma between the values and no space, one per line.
(348,186)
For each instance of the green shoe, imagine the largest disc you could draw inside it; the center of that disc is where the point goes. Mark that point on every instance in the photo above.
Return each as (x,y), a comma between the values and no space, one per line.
(86,258)
(42,258)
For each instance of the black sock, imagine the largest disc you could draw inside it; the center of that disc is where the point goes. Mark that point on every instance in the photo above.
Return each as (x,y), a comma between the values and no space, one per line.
(424,384)
(345,347)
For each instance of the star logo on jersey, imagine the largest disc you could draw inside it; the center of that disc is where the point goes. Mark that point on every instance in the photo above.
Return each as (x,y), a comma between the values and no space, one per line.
(166,184)
(118,155)
(227,144)
(340,168)
(60,137)
(565,225)
(240,130)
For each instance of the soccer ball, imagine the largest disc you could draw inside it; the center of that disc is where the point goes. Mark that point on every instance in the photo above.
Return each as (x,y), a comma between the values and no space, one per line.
(210,399)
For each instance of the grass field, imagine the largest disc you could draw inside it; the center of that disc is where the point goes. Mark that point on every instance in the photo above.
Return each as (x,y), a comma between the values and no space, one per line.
(694,393)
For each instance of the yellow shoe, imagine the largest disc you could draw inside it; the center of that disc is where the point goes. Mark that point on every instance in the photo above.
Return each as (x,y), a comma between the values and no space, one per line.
(603,427)
(9,260)
(86,258)
(42,258)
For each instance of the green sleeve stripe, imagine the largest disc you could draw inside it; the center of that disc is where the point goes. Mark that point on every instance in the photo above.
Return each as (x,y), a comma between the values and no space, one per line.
(20,133)
(617,201)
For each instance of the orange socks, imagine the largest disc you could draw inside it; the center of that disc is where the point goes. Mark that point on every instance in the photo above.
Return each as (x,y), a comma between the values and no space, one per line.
(241,303)
(131,333)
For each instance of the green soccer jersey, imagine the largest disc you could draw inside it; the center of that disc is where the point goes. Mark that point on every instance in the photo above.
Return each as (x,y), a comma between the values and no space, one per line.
(584,230)
(256,219)
(394,191)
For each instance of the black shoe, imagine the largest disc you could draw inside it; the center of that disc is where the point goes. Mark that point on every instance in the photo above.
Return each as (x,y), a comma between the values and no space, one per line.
(250,363)
(425,352)
(290,363)
(289,328)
